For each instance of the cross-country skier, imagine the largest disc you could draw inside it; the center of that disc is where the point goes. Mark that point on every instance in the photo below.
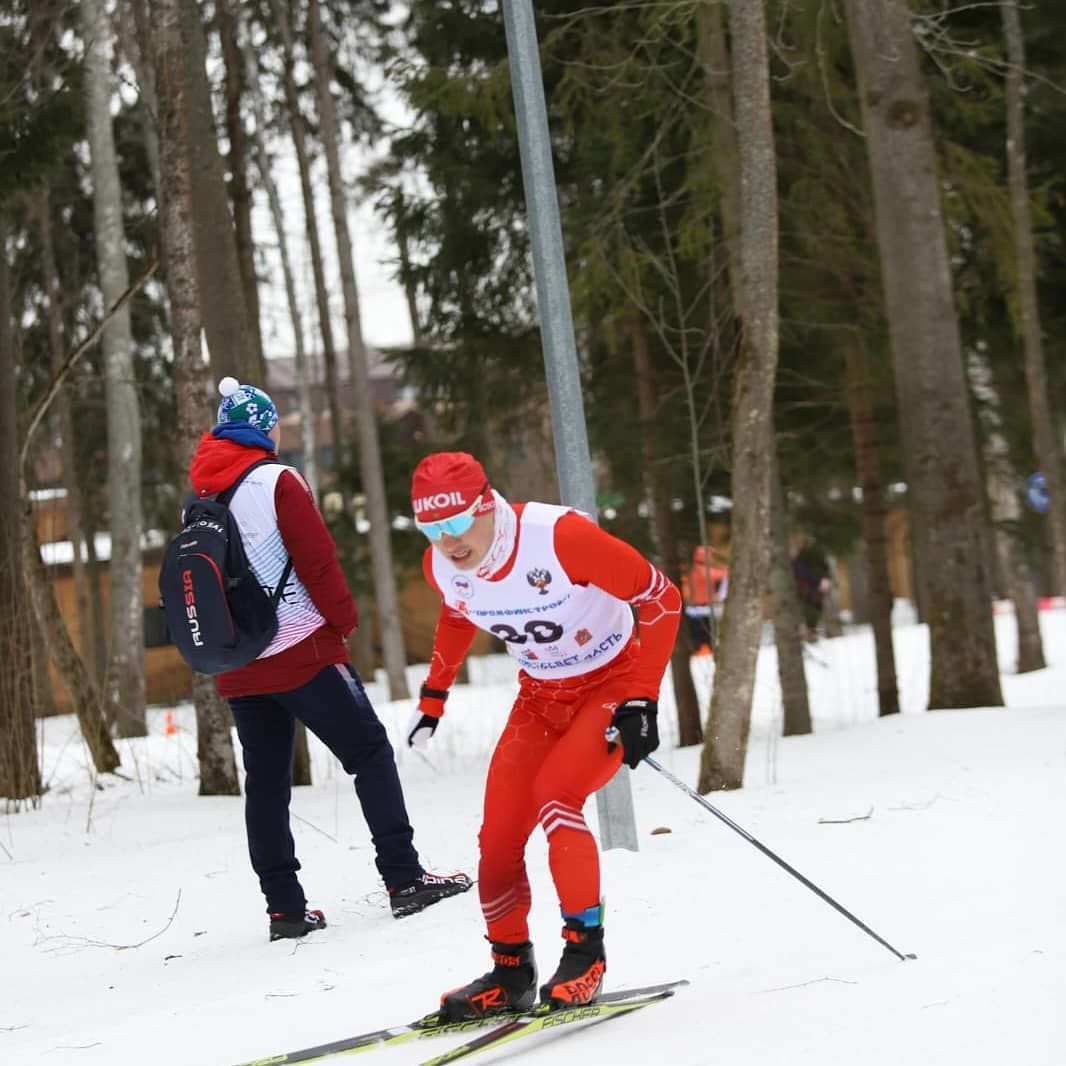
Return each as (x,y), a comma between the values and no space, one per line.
(304,674)
(560,592)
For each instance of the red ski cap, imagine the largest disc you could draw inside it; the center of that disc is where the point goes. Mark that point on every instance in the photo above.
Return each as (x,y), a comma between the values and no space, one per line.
(448,483)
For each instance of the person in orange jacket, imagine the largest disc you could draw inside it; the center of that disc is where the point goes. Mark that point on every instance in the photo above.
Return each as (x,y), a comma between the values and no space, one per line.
(560,592)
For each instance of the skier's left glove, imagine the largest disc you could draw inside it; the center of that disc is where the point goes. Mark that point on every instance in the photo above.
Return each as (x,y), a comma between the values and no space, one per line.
(425,717)
(634,726)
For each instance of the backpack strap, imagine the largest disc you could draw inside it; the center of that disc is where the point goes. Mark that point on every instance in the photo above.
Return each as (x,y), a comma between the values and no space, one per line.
(226,495)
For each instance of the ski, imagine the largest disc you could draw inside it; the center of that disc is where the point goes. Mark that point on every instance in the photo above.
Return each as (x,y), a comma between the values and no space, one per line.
(429,1026)
(592,1013)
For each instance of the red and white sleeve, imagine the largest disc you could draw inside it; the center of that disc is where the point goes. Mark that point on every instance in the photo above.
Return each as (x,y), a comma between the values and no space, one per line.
(592,556)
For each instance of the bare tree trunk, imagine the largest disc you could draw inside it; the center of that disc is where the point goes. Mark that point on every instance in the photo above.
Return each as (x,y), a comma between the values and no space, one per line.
(68,438)
(788,620)
(125,691)
(714,58)
(135,35)
(688,708)
(83,692)
(226,318)
(19,775)
(868,468)
(298,129)
(218,768)
(84,695)
(724,158)
(408,282)
(1006,517)
(44,702)
(239,194)
(939,444)
(1048,451)
(373,477)
(303,384)
(726,740)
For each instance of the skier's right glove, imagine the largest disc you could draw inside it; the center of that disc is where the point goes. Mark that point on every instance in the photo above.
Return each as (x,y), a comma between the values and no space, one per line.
(634,726)
(425,717)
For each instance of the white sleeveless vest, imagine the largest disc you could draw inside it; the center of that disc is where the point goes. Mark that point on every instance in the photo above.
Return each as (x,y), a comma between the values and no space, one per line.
(554,628)
(253,507)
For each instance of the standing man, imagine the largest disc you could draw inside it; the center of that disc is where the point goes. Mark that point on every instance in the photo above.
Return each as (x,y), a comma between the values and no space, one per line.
(304,672)
(810,568)
(561,593)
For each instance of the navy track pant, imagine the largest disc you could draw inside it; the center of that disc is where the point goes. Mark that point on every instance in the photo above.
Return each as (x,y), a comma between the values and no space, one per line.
(335,707)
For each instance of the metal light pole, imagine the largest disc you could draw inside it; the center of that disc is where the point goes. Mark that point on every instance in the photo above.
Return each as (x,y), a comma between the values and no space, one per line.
(614,802)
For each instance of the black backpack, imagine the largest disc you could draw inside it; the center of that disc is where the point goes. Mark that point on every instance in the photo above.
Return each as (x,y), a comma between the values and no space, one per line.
(218,614)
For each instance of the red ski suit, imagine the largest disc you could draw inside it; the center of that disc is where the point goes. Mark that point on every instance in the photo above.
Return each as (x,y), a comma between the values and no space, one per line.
(552,755)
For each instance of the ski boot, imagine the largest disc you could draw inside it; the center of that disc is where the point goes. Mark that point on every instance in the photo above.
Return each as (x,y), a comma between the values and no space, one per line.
(579,976)
(510,986)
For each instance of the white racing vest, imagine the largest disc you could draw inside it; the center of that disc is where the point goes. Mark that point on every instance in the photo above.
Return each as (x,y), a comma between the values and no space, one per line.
(254,509)
(554,628)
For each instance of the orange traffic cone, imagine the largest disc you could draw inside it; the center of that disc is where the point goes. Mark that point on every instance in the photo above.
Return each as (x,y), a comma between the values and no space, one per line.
(170,729)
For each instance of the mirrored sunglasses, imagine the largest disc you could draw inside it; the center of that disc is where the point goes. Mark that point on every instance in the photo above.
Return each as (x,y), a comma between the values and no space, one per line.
(455,525)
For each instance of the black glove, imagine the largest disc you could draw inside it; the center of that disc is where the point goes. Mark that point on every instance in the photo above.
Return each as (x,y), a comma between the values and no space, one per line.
(425,717)
(634,727)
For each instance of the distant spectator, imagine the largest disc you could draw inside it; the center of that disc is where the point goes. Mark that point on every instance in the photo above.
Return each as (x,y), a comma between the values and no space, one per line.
(704,574)
(810,569)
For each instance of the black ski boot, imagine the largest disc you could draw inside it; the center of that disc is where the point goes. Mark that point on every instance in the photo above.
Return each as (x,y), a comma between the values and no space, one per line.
(511,985)
(428,889)
(295,923)
(579,976)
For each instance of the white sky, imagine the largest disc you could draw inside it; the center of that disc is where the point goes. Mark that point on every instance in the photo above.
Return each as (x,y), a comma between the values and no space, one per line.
(134,932)
(382,304)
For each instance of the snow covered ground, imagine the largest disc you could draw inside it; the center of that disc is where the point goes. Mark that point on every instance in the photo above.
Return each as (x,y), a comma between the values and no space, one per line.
(133,930)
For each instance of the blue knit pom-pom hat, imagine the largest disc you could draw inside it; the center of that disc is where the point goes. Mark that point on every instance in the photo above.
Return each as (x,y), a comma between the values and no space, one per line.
(246,403)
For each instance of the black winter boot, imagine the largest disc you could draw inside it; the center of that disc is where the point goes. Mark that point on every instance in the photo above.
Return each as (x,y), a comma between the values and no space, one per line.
(579,976)
(296,923)
(511,985)
(425,891)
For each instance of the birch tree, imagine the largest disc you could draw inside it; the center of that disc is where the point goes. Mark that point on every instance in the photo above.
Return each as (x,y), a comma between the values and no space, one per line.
(303,385)
(298,132)
(370,466)
(1006,515)
(125,683)
(939,442)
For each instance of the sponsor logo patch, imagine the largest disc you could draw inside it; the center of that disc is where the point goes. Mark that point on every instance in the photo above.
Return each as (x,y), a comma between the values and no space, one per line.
(438,502)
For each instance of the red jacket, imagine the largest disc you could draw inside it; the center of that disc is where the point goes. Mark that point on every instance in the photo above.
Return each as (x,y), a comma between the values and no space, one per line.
(215,466)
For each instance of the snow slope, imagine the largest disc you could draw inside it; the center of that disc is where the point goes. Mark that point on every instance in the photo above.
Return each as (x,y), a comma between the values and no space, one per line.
(133,930)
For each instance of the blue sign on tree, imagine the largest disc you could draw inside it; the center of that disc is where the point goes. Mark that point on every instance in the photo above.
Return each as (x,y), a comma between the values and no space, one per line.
(1036,492)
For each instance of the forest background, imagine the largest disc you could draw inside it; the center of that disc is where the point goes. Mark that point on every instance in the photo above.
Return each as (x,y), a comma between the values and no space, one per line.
(814,251)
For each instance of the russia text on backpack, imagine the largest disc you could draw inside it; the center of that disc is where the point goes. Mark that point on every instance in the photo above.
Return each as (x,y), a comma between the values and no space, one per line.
(219,616)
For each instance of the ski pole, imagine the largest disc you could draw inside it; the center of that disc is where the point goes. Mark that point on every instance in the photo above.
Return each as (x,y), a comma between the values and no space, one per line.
(767,852)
